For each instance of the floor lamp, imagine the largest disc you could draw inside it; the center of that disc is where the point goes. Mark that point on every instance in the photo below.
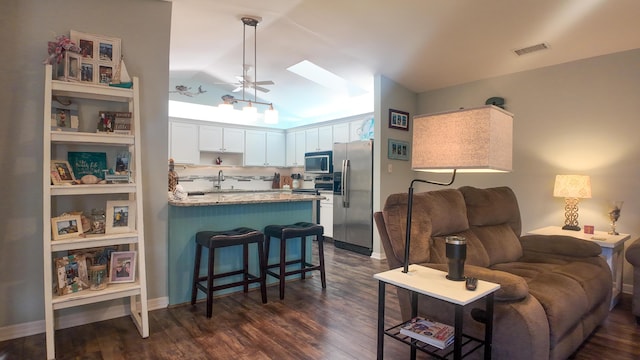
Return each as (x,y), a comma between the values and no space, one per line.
(467,140)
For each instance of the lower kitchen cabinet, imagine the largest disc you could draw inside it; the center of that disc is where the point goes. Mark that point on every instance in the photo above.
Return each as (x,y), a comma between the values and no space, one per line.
(326,213)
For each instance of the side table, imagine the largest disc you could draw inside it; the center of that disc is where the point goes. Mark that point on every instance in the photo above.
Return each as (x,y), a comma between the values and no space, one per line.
(612,249)
(433,283)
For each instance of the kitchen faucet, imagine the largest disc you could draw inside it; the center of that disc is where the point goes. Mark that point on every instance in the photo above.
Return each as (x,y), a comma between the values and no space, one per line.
(220,178)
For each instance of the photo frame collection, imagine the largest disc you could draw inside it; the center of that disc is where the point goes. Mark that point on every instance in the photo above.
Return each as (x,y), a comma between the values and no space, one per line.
(398,150)
(73,272)
(99,57)
(398,120)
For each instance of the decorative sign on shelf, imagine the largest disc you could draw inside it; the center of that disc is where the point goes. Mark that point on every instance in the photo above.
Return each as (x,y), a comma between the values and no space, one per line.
(88,163)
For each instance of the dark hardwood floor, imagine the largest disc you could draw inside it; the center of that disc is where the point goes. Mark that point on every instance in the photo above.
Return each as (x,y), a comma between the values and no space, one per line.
(337,323)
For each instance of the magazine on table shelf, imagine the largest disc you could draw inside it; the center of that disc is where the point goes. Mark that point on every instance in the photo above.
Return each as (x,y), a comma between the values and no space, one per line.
(428,331)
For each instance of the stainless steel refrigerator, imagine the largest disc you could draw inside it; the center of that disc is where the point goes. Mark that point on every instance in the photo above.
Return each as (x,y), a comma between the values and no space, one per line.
(353,196)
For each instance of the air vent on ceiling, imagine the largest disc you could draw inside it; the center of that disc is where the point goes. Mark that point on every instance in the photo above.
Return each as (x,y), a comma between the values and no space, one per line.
(530,49)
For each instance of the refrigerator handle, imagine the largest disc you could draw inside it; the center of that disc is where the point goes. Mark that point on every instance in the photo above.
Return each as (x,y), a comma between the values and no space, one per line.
(345,183)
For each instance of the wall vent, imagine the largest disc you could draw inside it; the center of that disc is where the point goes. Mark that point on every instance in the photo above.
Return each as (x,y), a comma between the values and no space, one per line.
(530,49)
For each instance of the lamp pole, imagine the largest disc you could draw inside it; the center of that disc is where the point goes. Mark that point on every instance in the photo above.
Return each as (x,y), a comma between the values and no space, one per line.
(407,242)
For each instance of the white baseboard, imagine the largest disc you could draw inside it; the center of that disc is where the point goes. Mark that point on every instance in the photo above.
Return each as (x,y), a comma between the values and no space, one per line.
(71,320)
(377,256)
(627,288)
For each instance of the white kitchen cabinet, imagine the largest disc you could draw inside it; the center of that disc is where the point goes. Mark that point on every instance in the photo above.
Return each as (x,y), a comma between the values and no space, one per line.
(341,133)
(325,138)
(275,149)
(219,139)
(59,244)
(319,139)
(183,143)
(295,148)
(326,213)
(311,140)
(264,148)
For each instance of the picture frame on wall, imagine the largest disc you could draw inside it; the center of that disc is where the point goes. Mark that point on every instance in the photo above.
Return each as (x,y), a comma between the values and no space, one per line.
(99,56)
(398,119)
(122,267)
(398,150)
(65,227)
(121,216)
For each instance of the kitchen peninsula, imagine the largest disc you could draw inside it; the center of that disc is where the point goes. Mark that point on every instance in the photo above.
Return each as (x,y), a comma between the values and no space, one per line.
(224,210)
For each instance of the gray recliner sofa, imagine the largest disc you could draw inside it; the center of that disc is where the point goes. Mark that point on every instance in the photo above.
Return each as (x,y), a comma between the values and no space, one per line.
(555,290)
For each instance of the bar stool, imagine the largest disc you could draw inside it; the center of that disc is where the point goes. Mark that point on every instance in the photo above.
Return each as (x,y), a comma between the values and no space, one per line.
(298,230)
(213,240)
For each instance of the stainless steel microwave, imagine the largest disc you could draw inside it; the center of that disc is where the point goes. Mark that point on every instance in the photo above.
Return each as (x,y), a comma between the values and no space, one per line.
(320,162)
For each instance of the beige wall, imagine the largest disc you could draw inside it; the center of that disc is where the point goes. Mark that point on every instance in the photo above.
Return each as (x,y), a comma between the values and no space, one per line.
(27,25)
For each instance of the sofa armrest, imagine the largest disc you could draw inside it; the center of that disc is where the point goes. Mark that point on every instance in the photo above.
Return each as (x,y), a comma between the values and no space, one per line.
(560,245)
(632,254)
(512,287)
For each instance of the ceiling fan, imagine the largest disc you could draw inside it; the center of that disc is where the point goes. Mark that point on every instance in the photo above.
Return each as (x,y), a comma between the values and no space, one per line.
(246,81)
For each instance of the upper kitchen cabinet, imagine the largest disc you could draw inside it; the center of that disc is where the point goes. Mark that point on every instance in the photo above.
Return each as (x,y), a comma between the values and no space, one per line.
(319,139)
(219,139)
(295,148)
(325,138)
(341,133)
(264,148)
(183,144)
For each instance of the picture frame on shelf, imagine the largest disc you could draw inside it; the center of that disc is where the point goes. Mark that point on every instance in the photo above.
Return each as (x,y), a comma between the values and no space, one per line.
(99,56)
(398,119)
(398,150)
(61,172)
(121,216)
(66,227)
(64,117)
(71,274)
(122,267)
(72,63)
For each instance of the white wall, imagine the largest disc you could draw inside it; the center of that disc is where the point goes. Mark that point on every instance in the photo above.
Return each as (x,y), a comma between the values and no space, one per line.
(579,117)
(27,26)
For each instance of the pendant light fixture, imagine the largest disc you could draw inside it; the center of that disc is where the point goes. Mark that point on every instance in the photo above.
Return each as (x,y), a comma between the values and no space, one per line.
(249,112)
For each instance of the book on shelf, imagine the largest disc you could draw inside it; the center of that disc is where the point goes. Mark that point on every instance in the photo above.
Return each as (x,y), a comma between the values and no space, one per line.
(429,332)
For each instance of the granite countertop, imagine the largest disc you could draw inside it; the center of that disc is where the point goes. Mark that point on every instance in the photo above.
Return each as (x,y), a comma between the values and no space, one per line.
(243,197)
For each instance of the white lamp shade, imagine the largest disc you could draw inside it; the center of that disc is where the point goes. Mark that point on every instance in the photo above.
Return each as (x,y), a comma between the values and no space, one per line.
(572,186)
(271,116)
(470,140)
(249,113)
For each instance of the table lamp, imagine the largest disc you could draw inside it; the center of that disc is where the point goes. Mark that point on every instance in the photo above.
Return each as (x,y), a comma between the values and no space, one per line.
(572,188)
(466,140)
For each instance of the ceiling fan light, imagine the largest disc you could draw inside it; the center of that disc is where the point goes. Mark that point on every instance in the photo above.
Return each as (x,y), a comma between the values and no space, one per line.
(271,115)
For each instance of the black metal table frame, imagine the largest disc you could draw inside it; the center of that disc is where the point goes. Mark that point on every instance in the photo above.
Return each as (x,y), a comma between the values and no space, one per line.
(458,322)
